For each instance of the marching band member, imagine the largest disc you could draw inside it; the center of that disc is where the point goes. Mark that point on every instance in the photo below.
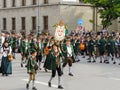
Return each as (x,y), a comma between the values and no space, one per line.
(7,37)
(55,55)
(32,69)
(68,53)
(25,47)
(110,49)
(39,51)
(19,42)
(83,44)
(47,51)
(77,48)
(13,43)
(91,50)
(102,48)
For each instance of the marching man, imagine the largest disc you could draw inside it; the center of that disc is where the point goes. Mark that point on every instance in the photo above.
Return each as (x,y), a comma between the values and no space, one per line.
(68,53)
(55,55)
(25,46)
(67,49)
(32,69)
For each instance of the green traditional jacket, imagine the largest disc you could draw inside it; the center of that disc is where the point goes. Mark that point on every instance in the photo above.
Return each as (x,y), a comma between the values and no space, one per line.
(33,45)
(51,61)
(110,46)
(25,47)
(102,46)
(30,65)
(55,59)
(65,51)
(40,49)
(77,46)
(13,42)
(91,44)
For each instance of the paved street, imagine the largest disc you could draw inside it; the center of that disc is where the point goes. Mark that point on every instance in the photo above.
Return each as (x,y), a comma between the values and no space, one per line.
(87,76)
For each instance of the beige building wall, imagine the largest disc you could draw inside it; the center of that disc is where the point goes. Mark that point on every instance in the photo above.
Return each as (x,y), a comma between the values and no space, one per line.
(18,13)
(53,17)
(114,26)
(119,24)
(71,14)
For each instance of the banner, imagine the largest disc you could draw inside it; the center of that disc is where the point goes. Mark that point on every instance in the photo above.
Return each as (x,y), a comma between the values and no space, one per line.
(60,31)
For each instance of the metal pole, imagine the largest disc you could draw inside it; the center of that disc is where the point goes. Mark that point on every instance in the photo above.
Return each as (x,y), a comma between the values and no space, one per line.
(93,18)
(96,21)
(39,16)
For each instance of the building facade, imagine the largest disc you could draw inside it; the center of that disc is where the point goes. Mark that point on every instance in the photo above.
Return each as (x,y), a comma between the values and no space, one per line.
(41,15)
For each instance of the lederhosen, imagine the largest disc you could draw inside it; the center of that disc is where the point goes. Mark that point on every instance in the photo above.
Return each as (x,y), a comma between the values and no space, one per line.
(68,57)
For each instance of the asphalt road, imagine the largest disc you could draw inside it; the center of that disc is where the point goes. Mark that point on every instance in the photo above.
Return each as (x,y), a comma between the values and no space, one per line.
(87,76)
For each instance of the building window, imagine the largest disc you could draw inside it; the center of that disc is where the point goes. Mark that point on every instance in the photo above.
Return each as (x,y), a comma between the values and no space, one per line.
(13,23)
(23,2)
(13,3)
(23,23)
(45,21)
(4,3)
(33,23)
(45,1)
(4,24)
(34,2)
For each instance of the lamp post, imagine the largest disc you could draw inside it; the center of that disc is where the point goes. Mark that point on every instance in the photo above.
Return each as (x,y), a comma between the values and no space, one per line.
(39,17)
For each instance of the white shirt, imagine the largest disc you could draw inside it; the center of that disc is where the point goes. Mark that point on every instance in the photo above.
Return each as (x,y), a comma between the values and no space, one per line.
(19,41)
(5,53)
(40,45)
(69,51)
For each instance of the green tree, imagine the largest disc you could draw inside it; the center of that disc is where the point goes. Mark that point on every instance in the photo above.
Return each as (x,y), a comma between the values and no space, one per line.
(109,10)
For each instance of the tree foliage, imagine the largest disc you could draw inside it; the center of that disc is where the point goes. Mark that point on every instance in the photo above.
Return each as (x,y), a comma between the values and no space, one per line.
(109,10)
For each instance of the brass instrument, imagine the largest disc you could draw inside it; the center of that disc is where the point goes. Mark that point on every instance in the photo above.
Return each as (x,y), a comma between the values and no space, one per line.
(10,57)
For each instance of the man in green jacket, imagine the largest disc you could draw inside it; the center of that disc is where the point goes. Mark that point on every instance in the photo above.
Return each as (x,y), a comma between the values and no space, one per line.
(55,64)
(68,53)
(110,49)
(25,48)
(90,47)
(101,47)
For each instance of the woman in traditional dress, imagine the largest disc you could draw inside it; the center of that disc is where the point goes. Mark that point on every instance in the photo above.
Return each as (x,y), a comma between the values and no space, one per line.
(47,51)
(6,65)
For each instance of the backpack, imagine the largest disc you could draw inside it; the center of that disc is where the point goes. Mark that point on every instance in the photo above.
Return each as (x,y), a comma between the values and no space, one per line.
(82,46)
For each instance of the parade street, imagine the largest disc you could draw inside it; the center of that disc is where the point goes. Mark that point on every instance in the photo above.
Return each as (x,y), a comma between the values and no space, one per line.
(87,76)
